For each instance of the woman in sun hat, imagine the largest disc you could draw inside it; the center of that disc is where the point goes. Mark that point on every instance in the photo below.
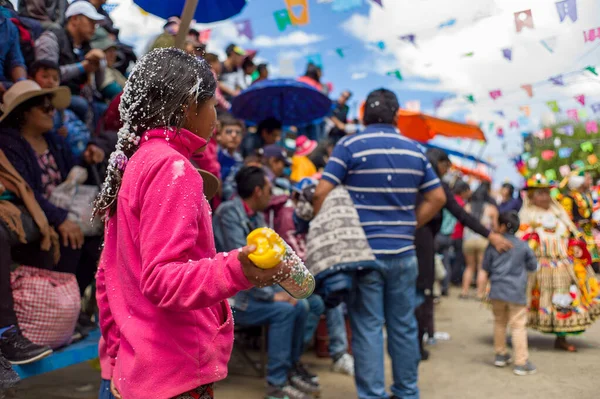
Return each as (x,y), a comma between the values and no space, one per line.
(558,294)
(302,166)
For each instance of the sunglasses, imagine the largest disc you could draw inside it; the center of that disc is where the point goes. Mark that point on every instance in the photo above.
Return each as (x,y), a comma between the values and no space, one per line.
(47,108)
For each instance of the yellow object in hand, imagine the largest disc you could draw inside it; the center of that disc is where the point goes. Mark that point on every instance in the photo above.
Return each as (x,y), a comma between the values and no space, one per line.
(270,248)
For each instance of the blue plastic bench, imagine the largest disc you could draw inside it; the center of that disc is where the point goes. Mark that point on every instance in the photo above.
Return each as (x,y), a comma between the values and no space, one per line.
(80,352)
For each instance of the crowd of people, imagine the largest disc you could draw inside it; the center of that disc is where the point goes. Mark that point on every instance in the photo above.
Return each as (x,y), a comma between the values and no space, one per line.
(369,211)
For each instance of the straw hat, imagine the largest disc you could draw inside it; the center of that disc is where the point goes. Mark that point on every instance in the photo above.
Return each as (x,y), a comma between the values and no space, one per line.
(28,89)
(210,183)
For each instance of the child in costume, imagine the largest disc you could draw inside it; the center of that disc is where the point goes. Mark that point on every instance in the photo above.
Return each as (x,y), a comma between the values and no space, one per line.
(554,291)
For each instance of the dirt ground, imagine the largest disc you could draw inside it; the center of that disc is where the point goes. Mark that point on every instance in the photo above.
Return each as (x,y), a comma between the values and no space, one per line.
(460,368)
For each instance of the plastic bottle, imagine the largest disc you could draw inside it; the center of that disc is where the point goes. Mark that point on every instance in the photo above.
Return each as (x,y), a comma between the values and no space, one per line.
(272,250)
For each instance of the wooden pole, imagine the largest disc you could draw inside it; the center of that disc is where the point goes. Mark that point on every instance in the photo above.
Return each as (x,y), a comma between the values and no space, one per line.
(186,19)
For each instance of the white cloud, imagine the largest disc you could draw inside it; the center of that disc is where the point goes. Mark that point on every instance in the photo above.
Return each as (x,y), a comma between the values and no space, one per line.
(438,52)
(359,75)
(297,38)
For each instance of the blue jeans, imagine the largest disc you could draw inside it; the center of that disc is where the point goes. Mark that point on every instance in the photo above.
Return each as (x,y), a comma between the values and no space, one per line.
(389,298)
(286,333)
(105,390)
(336,326)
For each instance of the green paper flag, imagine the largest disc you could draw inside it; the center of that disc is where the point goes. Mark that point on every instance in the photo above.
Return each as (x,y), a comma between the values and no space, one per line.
(587,146)
(395,73)
(553,105)
(340,52)
(471,54)
(470,98)
(582,113)
(550,174)
(282,18)
(592,70)
(491,126)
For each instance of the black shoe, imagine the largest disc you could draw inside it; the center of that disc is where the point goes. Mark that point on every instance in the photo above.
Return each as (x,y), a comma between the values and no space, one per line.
(19,350)
(307,375)
(424,354)
(85,325)
(8,376)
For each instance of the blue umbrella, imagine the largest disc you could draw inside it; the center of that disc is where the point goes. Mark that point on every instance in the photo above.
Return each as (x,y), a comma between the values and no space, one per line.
(293,103)
(206,11)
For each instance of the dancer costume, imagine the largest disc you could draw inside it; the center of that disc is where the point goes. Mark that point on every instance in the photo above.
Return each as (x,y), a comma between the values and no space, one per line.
(561,294)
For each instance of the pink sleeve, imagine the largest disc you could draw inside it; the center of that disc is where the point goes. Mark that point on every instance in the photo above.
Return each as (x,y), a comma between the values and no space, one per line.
(108,327)
(173,215)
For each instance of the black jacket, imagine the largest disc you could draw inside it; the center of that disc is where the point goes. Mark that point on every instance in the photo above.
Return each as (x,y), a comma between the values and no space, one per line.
(425,236)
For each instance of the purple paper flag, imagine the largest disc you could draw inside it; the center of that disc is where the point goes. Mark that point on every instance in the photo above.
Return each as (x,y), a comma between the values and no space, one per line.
(557,80)
(409,38)
(507,52)
(438,103)
(569,130)
(567,7)
(501,113)
(378,2)
(596,107)
(244,28)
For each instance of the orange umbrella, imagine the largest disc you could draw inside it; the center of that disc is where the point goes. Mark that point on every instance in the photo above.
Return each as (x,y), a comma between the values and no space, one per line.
(421,127)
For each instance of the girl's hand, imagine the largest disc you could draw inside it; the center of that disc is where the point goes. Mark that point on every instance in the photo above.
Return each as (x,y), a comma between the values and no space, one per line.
(114,390)
(257,276)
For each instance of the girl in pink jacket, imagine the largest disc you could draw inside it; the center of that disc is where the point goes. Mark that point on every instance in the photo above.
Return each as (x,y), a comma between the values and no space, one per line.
(161,287)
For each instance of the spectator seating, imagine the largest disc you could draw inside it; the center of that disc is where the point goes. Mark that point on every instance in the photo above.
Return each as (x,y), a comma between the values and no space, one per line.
(79,352)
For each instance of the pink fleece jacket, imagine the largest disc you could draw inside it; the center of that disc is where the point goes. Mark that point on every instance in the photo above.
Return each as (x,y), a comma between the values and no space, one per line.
(161,287)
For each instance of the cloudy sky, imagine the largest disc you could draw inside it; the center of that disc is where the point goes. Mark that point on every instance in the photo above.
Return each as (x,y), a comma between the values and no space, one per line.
(436,66)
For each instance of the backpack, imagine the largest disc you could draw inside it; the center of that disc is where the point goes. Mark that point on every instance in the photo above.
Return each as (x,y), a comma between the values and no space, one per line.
(29,31)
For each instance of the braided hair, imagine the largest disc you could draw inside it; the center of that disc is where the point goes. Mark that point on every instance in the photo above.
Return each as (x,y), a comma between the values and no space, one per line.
(158,93)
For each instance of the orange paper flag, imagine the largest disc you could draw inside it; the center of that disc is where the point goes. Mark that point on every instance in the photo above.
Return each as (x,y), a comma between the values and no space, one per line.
(526,110)
(301,18)
(528,89)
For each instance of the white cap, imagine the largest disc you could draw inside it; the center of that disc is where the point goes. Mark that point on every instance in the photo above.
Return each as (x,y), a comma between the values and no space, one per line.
(85,8)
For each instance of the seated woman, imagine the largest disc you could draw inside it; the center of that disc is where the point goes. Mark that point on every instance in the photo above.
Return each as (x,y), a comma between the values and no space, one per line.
(44,162)
(25,238)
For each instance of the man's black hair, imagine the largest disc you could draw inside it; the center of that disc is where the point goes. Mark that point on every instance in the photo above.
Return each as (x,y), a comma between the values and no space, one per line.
(510,188)
(381,107)
(269,125)
(247,179)
(262,67)
(230,49)
(510,220)
(41,65)
(460,187)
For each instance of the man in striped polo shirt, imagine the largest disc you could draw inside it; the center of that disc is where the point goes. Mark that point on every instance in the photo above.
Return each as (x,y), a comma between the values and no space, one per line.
(383,172)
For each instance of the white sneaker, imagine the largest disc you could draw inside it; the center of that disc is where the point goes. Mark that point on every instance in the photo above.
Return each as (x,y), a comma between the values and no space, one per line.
(344,365)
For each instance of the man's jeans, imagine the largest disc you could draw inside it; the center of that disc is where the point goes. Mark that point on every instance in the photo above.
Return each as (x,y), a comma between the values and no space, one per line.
(336,326)
(286,333)
(389,298)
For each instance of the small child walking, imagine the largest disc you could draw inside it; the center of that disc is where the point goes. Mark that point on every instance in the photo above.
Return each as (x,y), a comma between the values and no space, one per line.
(508,278)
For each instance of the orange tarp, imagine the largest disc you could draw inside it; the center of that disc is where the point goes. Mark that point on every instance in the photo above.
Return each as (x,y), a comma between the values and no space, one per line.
(472,172)
(421,127)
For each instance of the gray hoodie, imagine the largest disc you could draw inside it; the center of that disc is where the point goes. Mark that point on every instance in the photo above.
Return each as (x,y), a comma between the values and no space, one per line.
(508,271)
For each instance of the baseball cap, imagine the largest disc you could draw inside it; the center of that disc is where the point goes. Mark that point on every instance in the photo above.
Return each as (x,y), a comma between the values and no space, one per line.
(275,151)
(84,8)
(232,48)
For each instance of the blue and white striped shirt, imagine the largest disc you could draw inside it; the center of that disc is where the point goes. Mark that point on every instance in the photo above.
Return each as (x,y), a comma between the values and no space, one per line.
(383,171)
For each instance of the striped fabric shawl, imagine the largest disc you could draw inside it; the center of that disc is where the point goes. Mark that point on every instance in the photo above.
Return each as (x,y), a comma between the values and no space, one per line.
(335,236)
